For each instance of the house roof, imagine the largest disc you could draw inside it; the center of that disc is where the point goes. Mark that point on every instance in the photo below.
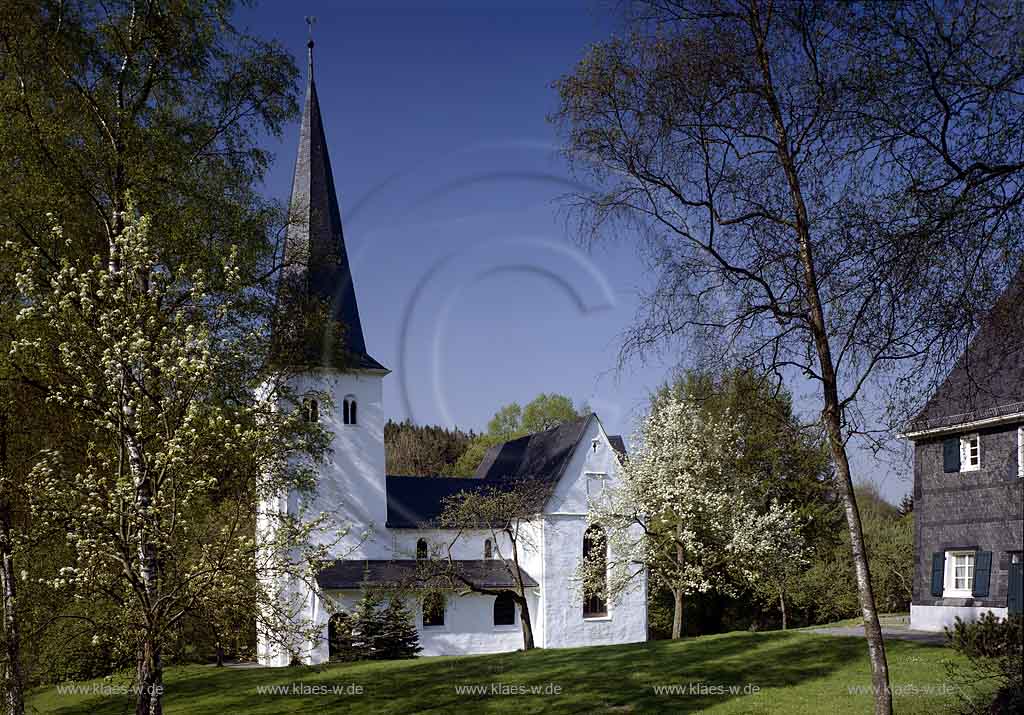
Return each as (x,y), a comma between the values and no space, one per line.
(415,502)
(358,573)
(315,259)
(618,444)
(987,381)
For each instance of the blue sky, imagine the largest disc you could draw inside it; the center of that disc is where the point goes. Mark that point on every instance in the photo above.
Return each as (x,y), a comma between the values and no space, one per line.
(470,285)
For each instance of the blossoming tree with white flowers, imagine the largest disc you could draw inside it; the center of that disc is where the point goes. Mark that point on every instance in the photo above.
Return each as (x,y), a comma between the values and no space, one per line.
(772,562)
(182,437)
(678,510)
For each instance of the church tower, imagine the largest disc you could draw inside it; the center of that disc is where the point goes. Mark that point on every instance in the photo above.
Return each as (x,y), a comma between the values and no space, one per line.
(333,353)
(326,352)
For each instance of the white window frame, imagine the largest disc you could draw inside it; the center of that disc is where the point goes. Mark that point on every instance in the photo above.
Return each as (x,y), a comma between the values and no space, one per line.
(1020,452)
(949,589)
(595,478)
(965,452)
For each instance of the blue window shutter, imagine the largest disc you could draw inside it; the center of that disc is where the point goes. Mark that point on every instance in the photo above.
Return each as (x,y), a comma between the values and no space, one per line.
(1015,592)
(982,573)
(938,569)
(951,455)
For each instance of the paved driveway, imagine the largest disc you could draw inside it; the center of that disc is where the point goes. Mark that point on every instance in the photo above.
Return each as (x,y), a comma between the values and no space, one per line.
(888,632)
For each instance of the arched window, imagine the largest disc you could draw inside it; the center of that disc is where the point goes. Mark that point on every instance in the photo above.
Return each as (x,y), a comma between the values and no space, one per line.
(433,610)
(504,610)
(348,410)
(421,549)
(310,410)
(488,551)
(595,550)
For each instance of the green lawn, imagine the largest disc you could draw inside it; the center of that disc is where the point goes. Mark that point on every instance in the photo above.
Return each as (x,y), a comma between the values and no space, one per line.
(794,672)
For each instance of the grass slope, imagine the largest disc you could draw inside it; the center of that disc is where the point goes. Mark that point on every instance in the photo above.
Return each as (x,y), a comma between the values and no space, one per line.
(795,673)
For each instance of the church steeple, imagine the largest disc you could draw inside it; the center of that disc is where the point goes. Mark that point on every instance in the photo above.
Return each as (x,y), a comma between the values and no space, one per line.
(315,259)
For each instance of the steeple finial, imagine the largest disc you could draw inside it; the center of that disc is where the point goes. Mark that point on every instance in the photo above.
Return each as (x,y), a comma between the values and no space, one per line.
(310,21)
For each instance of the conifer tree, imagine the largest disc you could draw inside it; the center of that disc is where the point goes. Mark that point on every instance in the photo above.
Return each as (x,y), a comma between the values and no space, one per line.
(399,636)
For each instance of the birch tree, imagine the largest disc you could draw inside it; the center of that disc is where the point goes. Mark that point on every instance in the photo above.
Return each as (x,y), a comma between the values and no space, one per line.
(831,193)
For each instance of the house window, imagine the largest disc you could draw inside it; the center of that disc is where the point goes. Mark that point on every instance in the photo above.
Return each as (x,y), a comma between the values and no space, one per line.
(1020,452)
(959,573)
(310,411)
(488,549)
(970,452)
(504,610)
(595,550)
(433,610)
(421,549)
(348,410)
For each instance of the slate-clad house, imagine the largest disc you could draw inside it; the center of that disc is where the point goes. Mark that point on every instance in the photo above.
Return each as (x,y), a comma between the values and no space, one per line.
(392,516)
(969,477)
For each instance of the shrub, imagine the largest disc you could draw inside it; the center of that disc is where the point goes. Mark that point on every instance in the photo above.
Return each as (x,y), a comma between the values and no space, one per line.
(995,649)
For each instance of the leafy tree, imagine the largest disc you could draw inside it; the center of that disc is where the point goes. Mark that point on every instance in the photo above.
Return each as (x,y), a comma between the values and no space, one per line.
(423,450)
(680,511)
(774,562)
(164,106)
(507,422)
(157,511)
(785,458)
(548,410)
(543,412)
(829,589)
(814,195)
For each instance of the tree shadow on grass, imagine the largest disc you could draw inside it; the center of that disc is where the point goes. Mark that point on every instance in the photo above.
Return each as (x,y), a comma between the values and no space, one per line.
(593,679)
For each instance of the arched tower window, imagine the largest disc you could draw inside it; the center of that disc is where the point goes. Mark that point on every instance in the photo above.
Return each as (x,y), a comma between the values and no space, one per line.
(488,550)
(433,610)
(310,410)
(421,549)
(595,550)
(504,610)
(348,410)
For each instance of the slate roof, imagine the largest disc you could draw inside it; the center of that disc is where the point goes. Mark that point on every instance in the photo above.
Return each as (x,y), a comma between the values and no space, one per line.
(416,501)
(618,444)
(988,379)
(357,573)
(541,455)
(315,256)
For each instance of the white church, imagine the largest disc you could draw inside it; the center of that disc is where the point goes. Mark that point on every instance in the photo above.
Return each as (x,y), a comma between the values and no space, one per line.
(393,517)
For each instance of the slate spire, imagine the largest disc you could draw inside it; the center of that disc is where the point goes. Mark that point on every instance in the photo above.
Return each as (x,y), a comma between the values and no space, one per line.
(315,259)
